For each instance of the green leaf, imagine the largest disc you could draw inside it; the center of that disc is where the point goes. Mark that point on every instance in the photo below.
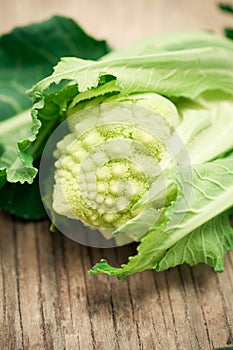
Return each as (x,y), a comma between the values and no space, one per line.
(14,164)
(204,123)
(23,200)
(27,54)
(206,244)
(200,198)
(138,74)
(226,7)
(176,41)
(167,73)
(229,32)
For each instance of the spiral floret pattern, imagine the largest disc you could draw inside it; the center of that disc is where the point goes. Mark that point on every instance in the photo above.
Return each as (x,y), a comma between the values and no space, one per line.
(107,163)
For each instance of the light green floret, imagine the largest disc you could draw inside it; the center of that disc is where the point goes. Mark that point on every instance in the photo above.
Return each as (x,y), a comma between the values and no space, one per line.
(93,186)
(107,162)
(154,102)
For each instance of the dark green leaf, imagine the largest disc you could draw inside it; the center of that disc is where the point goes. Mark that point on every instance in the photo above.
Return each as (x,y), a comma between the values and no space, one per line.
(229,33)
(27,55)
(226,7)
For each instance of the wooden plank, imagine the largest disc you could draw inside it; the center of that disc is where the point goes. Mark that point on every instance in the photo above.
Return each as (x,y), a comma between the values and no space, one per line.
(10,319)
(47,300)
(107,18)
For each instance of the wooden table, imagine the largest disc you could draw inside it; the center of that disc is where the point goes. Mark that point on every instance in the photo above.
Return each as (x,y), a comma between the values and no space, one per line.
(47,299)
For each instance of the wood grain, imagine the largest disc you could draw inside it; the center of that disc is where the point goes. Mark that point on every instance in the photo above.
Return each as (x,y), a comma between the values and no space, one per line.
(47,300)
(121,22)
